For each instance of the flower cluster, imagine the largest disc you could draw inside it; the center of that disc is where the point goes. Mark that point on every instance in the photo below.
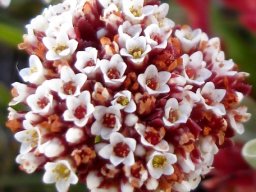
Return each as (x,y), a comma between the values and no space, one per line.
(119,97)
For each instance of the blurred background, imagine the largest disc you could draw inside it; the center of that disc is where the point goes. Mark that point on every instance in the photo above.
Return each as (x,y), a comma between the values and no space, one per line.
(232,20)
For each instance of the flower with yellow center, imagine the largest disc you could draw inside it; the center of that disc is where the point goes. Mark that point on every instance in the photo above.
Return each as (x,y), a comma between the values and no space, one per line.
(60,173)
(161,164)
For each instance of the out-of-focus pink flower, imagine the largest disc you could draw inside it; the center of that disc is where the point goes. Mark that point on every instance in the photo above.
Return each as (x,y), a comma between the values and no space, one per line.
(246,10)
(231,172)
(198,11)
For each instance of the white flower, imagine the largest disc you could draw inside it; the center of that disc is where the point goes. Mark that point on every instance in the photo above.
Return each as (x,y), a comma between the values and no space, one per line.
(221,66)
(29,162)
(186,163)
(123,100)
(151,138)
(42,101)
(120,150)
(211,98)
(52,148)
(189,38)
(69,84)
(154,82)
(29,137)
(20,92)
(112,16)
(60,47)
(136,49)
(127,31)
(194,68)
(176,113)
(108,120)
(60,173)
(113,70)
(135,11)
(237,117)
(79,109)
(74,135)
(86,61)
(138,177)
(156,37)
(100,93)
(5,3)
(35,72)
(13,114)
(93,181)
(161,164)
(152,183)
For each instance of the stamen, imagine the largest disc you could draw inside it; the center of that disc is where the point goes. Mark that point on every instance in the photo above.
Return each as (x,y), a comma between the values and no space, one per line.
(69,88)
(123,100)
(159,161)
(121,149)
(80,112)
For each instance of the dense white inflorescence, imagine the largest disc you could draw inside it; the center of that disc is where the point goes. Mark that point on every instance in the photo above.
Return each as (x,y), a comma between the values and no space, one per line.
(119,97)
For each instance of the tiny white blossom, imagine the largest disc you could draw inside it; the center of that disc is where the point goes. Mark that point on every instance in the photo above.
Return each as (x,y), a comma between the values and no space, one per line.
(120,150)
(61,173)
(108,120)
(194,68)
(211,98)
(154,82)
(35,72)
(176,113)
(79,109)
(86,61)
(113,70)
(160,145)
(135,10)
(161,164)
(29,137)
(42,101)
(60,47)
(136,49)
(69,84)
(20,92)
(93,181)
(237,117)
(29,162)
(156,37)
(189,38)
(123,100)
(127,31)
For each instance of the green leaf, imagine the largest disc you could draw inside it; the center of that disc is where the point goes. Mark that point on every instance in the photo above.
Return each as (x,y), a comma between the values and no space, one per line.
(10,34)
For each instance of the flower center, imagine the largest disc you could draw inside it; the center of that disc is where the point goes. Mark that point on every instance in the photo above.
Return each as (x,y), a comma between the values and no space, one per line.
(59,48)
(42,102)
(109,120)
(191,73)
(121,149)
(33,138)
(123,100)
(136,12)
(113,73)
(151,137)
(89,63)
(80,112)
(69,88)
(159,161)
(33,70)
(173,115)
(61,172)
(152,83)
(136,53)
(156,38)
(208,100)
